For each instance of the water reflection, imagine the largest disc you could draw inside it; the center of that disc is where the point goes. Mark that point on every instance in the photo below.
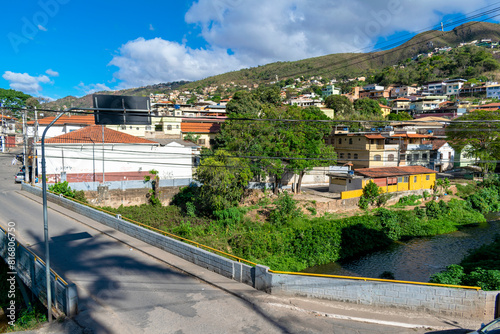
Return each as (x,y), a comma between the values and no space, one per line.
(417,259)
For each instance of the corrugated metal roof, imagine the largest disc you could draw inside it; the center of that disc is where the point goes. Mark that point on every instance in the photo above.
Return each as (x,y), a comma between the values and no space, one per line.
(394,171)
(71,119)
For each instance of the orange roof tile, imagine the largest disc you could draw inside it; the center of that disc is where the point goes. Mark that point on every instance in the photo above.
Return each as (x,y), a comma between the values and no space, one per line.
(410,135)
(375,136)
(93,134)
(71,119)
(198,127)
(394,171)
(401,99)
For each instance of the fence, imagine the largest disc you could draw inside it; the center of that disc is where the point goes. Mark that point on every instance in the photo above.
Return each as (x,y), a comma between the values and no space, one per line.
(31,270)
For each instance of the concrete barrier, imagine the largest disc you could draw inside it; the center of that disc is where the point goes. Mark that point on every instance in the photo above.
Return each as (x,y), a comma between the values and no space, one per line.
(31,270)
(453,302)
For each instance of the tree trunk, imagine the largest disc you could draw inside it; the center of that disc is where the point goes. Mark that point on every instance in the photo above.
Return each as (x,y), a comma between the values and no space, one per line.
(277,182)
(299,182)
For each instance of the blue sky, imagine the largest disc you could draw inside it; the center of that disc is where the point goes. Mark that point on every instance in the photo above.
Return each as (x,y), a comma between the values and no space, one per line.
(55,48)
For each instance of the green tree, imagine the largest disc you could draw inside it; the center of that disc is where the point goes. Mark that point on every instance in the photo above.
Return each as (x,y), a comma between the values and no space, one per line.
(478,138)
(341,104)
(401,116)
(223,180)
(154,179)
(190,136)
(368,107)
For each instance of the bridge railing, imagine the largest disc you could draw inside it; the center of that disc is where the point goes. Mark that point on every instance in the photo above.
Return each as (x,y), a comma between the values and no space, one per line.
(31,270)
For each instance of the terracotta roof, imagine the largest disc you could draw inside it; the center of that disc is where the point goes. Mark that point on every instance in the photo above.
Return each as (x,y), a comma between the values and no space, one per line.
(401,99)
(409,135)
(438,143)
(93,134)
(394,171)
(375,136)
(200,127)
(491,105)
(382,106)
(81,120)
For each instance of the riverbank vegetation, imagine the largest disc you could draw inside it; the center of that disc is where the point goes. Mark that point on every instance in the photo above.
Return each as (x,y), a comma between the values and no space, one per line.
(289,239)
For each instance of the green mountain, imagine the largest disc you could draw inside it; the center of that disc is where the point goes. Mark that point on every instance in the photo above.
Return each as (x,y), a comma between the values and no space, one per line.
(342,65)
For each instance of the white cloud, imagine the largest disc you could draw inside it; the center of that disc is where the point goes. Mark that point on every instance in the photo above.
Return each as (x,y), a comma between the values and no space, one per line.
(151,27)
(92,88)
(25,82)
(52,73)
(143,62)
(242,33)
(42,28)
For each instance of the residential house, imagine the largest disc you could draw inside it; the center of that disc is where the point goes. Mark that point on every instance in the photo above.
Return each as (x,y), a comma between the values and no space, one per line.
(400,104)
(375,92)
(493,91)
(434,88)
(425,125)
(426,104)
(330,90)
(205,129)
(386,110)
(403,91)
(391,179)
(65,124)
(413,151)
(454,86)
(364,149)
(97,154)
(302,101)
(8,131)
(490,107)
(442,155)
(470,89)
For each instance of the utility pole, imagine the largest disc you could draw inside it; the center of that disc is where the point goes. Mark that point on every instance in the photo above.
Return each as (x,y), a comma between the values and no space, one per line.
(24,141)
(103,179)
(34,162)
(3,133)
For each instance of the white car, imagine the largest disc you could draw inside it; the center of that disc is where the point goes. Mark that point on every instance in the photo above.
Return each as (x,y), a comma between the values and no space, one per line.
(19,177)
(491,328)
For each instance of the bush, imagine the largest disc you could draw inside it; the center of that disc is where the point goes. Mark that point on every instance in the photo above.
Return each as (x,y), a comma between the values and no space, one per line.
(285,209)
(453,275)
(62,188)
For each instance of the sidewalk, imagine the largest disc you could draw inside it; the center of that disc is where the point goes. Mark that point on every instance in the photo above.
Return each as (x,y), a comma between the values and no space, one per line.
(382,316)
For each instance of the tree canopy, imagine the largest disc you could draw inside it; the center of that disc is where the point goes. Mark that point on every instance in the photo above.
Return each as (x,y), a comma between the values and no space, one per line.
(479,139)
(341,104)
(368,107)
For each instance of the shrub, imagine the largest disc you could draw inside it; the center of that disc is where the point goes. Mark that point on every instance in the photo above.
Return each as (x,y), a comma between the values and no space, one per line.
(453,275)
(63,188)
(432,210)
(285,209)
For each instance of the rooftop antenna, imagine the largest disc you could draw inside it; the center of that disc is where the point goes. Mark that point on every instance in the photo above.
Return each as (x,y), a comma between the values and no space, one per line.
(442,26)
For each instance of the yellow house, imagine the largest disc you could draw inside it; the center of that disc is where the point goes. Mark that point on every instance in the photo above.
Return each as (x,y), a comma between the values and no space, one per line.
(395,179)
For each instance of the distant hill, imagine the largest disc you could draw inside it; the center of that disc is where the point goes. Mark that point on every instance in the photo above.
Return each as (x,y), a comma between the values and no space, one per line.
(86,101)
(341,65)
(348,65)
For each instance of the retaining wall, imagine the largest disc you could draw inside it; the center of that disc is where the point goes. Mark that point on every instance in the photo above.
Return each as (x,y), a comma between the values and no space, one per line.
(31,270)
(459,303)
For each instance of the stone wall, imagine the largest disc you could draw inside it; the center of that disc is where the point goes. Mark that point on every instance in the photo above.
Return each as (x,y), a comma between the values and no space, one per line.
(129,197)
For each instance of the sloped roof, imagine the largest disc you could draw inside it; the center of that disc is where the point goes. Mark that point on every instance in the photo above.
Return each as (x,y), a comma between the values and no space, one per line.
(375,136)
(409,135)
(198,127)
(394,171)
(438,143)
(70,119)
(93,134)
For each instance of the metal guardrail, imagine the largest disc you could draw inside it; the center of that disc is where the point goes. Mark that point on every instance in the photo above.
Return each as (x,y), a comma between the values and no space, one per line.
(254,264)
(31,270)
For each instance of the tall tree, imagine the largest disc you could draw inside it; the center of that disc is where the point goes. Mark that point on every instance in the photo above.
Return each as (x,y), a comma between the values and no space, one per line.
(368,107)
(478,137)
(341,104)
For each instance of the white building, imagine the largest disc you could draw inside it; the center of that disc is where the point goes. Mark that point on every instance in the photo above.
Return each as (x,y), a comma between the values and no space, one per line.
(86,156)
(453,86)
(65,124)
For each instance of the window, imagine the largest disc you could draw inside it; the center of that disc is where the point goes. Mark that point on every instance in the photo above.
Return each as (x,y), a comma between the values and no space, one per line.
(409,157)
(159,127)
(403,157)
(169,127)
(416,157)
(349,156)
(177,126)
(148,127)
(414,179)
(427,177)
(449,156)
(341,155)
(441,156)
(378,157)
(350,141)
(201,141)
(355,156)
(406,179)
(340,141)
(424,156)
(390,157)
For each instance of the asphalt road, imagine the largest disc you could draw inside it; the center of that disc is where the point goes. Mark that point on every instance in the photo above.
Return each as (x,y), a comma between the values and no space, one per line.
(124,290)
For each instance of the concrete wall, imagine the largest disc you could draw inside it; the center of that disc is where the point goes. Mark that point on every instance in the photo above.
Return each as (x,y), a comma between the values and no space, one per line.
(459,303)
(31,270)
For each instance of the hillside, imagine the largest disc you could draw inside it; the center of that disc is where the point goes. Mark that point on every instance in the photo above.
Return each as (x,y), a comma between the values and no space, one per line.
(342,65)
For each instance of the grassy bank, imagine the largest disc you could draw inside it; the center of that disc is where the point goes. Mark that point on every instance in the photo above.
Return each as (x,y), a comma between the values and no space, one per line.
(291,241)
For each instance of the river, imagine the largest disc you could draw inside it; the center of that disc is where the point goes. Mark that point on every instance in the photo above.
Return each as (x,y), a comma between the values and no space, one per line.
(416,260)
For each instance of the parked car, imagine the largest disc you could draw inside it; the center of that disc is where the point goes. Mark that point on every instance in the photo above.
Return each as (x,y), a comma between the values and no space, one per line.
(19,177)
(491,328)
